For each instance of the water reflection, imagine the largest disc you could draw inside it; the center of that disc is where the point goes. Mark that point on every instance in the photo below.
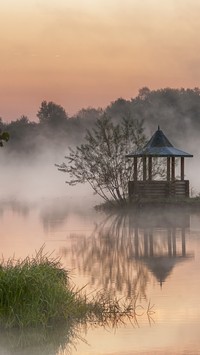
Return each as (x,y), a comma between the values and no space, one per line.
(128,250)
(54,213)
(130,253)
(22,208)
(160,241)
(63,339)
(52,341)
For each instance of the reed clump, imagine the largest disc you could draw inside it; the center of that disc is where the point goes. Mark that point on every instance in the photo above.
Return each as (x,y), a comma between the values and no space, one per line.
(36,292)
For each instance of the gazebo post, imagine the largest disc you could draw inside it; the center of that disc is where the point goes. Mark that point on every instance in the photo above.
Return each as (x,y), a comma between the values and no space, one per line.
(173,168)
(135,169)
(182,168)
(150,169)
(168,169)
(144,168)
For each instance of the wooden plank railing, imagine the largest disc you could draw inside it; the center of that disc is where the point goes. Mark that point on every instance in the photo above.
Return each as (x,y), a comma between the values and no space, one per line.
(155,189)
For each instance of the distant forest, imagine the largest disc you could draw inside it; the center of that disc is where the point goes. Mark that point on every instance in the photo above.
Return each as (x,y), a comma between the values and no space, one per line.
(176,111)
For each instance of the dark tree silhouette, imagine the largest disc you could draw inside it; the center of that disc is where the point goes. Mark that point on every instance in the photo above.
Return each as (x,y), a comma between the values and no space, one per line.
(51,113)
(4,137)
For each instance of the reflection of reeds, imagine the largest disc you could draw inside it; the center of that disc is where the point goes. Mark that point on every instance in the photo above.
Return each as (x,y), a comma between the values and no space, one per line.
(46,341)
(62,338)
(150,313)
(111,311)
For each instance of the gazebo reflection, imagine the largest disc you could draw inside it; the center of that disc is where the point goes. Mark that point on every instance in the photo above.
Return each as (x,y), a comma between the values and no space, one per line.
(152,231)
(128,250)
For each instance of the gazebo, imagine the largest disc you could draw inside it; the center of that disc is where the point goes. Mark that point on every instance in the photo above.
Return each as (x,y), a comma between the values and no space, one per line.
(158,147)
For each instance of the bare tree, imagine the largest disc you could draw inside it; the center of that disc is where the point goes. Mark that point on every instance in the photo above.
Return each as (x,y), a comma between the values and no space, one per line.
(101,161)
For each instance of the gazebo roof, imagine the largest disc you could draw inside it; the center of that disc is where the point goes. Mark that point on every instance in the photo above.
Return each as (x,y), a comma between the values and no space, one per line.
(159,146)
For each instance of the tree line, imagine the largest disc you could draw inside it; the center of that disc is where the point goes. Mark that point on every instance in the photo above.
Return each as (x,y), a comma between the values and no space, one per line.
(98,139)
(177,111)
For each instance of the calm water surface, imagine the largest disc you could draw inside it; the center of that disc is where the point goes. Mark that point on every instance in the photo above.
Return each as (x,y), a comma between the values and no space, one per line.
(154,255)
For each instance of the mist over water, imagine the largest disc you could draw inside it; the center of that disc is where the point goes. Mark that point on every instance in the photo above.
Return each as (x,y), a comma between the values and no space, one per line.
(36,179)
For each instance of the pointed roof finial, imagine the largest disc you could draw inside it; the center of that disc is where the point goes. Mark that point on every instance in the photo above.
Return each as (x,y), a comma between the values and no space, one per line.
(159,146)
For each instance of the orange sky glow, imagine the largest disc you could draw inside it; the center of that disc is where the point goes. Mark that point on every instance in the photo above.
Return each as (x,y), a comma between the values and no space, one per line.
(88,53)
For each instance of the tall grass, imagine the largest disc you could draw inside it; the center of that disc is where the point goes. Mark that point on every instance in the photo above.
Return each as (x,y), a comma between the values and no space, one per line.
(36,292)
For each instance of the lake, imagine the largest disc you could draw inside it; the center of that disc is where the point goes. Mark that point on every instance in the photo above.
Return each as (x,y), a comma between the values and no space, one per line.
(152,256)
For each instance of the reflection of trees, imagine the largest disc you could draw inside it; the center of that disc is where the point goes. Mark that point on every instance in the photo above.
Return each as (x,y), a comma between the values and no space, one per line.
(54,213)
(106,257)
(21,207)
(125,247)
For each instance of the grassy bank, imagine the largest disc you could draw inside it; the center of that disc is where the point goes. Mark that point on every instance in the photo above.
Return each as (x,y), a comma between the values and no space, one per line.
(36,292)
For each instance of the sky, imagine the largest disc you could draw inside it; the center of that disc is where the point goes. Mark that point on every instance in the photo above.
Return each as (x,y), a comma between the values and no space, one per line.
(87,53)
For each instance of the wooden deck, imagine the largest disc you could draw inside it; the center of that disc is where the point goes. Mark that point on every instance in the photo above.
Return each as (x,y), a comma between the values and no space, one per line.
(158,189)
